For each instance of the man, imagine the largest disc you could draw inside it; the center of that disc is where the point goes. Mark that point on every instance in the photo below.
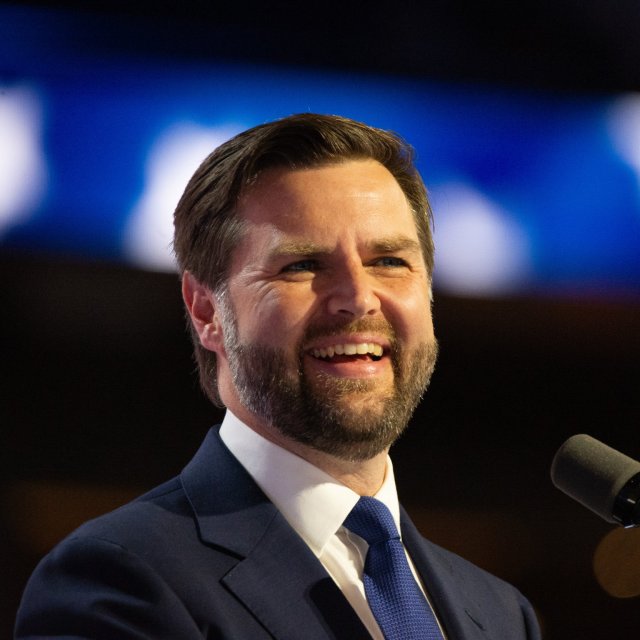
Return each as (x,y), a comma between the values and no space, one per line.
(306,255)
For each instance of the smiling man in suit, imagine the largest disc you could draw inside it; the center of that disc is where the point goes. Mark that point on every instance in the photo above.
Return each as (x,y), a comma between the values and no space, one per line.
(306,257)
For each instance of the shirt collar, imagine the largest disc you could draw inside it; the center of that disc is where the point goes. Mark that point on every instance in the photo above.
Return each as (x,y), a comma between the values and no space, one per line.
(314,503)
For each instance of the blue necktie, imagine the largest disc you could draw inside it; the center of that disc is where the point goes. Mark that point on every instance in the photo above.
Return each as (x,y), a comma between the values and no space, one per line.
(395,598)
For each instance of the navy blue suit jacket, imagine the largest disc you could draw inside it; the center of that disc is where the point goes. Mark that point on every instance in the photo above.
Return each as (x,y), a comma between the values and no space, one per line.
(207,555)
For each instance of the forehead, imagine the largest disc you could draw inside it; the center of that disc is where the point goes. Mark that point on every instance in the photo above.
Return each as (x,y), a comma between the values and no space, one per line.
(351,196)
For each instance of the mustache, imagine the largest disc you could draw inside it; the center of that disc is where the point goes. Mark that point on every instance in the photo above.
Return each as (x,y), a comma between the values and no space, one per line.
(341,327)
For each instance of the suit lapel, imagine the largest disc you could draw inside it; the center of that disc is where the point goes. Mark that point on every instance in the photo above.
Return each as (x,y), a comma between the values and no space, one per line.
(287,588)
(277,577)
(458,613)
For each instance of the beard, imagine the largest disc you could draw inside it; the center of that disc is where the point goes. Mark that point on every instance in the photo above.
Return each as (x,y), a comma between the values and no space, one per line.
(318,412)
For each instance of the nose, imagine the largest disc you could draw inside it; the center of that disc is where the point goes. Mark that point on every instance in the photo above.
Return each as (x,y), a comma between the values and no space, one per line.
(353,293)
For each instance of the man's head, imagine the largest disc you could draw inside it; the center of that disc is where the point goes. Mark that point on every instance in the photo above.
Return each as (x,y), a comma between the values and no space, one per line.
(208,227)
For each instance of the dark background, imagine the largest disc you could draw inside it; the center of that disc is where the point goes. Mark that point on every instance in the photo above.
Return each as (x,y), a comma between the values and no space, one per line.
(99,399)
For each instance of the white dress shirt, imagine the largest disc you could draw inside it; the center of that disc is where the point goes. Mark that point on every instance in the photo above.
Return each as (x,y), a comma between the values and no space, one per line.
(315,505)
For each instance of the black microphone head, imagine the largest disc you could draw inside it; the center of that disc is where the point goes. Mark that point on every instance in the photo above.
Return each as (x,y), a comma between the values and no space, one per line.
(592,473)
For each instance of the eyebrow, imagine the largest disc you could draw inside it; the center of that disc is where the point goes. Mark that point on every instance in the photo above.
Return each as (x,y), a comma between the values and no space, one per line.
(391,244)
(299,249)
(394,244)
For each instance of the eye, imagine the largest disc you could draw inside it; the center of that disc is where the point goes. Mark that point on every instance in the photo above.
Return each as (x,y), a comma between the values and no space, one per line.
(390,261)
(301,266)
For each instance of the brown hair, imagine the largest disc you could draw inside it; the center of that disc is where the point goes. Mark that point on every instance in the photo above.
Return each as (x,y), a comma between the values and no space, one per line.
(206,225)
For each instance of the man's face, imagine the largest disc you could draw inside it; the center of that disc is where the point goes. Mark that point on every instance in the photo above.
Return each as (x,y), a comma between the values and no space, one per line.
(328,336)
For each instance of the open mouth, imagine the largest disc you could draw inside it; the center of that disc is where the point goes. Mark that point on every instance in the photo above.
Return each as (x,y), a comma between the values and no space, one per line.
(349,351)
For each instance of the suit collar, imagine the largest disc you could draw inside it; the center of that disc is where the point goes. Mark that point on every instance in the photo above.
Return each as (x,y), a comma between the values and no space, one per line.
(231,510)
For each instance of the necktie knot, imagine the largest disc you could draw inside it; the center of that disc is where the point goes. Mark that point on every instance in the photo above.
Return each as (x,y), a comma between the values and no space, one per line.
(372,521)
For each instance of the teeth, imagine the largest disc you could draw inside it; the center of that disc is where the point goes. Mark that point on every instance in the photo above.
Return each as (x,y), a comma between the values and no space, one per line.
(349,349)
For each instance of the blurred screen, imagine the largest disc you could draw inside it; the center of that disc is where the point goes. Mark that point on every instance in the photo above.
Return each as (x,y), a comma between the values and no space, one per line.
(532,193)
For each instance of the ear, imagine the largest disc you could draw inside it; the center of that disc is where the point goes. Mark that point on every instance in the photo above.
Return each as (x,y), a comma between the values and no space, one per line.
(200,303)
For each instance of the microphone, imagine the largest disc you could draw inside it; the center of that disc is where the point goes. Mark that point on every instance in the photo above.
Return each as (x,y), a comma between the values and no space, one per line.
(602,479)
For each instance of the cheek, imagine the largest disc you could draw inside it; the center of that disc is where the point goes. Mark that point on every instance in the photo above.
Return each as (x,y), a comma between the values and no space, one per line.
(412,316)
(276,317)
